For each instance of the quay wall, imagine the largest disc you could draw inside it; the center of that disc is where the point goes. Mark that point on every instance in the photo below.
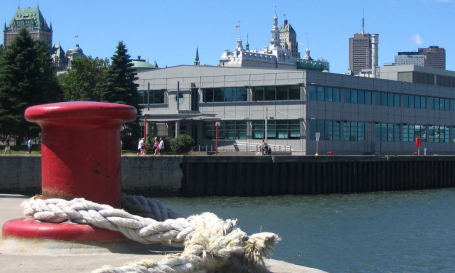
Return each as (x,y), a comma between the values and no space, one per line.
(194,176)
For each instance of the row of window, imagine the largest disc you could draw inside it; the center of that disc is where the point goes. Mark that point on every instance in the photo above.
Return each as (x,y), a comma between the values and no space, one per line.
(328,129)
(319,93)
(276,129)
(355,131)
(323,93)
(261,93)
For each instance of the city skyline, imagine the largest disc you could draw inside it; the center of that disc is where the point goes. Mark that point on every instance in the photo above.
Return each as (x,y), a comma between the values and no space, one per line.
(170,32)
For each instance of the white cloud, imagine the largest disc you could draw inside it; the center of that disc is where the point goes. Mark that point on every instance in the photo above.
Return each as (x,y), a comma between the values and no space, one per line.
(416,39)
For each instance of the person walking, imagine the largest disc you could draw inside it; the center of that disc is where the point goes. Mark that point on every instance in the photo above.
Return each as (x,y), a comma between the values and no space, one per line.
(7,146)
(139,146)
(155,146)
(161,146)
(29,146)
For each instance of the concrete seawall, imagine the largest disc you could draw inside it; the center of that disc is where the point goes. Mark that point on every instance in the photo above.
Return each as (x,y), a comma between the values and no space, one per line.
(193,176)
(144,175)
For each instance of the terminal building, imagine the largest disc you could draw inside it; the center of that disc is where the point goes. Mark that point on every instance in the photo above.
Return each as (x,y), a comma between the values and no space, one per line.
(287,107)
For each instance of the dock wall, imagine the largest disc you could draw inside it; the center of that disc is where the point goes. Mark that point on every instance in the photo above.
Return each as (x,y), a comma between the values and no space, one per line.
(194,176)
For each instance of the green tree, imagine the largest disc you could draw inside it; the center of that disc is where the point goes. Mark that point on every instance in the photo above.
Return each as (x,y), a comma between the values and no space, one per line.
(182,144)
(121,88)
(24,80)
(85,80)
(52,91)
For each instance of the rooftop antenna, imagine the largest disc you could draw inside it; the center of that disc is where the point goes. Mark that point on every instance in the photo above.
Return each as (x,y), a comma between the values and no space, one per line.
(284,15)
(363,21)
(307,40)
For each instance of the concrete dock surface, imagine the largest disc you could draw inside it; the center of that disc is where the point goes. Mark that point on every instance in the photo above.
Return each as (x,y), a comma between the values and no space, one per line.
(10,209)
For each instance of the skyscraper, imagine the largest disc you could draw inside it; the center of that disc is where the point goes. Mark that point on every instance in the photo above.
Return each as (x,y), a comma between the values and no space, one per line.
(436,56)
(33,21)
(361,51)
(432,57)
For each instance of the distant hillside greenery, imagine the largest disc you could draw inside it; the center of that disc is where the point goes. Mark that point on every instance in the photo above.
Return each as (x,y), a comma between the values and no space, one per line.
(28,78)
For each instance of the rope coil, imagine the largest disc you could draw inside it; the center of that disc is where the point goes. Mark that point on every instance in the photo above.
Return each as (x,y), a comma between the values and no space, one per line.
(210,244)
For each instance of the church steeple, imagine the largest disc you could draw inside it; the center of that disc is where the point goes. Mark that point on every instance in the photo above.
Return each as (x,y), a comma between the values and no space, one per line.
(196,60)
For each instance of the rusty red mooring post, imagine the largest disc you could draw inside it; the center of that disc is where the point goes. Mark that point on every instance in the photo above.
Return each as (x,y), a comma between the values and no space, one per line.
(81,155)
(81,149)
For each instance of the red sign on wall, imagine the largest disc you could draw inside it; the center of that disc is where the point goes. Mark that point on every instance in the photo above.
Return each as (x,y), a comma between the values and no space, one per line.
(418,142)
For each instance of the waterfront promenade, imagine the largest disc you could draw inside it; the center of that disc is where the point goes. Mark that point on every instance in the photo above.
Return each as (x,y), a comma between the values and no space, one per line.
(10,209)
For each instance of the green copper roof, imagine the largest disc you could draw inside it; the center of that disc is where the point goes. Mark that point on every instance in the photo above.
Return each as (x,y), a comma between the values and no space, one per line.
(142,64)
(29,16)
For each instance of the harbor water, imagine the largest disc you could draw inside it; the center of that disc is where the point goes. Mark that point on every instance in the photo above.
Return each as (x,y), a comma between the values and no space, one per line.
(403,231)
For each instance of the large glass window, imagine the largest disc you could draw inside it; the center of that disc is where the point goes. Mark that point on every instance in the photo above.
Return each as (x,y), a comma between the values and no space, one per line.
(411,101)
(387,99)
(227,130)
(155,96)
(438,134)
(357,96)
(283,129)
(283,92)
(354,131)
(258,129)
(330,130)
(224,94)
(411,132)
(386,132)
(325,93)
(439,104)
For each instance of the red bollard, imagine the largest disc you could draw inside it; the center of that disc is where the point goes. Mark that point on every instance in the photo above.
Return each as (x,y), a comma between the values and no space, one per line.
(330,153)
(81,156)
(81,149)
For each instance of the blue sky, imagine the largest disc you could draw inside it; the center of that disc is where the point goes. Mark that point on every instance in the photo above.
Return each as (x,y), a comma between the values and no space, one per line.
(168,32)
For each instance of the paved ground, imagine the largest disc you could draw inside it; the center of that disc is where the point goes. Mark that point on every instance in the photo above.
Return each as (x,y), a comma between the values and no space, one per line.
(56,262)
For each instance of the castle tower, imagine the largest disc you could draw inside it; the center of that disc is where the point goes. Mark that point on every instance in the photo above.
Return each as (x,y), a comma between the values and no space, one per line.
(288,39)
(33,21)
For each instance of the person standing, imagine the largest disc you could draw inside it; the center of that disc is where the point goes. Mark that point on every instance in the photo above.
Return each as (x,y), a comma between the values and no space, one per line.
(139,146)
(29,146)
(161,146)
(7,146)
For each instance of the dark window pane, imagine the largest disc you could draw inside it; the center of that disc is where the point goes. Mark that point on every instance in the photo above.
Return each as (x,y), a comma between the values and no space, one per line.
(313,92)
(367,97)
(336,94)
(347,95)
(269,93)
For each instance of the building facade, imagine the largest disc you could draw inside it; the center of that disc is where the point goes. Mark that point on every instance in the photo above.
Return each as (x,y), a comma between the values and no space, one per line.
(410,58)
(435,56)
(418,74)
(272,56)
(33,21)
(353,115)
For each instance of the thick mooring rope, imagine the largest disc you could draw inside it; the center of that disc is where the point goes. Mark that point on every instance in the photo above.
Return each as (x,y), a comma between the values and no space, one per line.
(211,244)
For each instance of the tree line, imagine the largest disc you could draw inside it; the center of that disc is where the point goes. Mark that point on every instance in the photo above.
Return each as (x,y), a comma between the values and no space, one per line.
(28,78)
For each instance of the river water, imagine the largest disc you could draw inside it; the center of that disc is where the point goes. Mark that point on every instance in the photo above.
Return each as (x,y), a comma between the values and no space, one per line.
(405,231)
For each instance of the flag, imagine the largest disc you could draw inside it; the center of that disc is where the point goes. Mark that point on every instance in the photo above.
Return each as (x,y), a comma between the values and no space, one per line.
(237,26)
(76,36)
